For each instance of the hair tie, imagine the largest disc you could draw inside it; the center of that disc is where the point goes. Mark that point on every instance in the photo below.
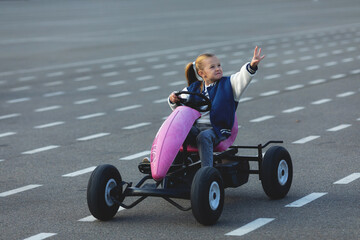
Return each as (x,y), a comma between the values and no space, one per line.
(196,73)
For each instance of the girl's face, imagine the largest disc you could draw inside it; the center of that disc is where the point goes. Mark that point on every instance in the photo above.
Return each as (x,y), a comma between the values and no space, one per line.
(212,70)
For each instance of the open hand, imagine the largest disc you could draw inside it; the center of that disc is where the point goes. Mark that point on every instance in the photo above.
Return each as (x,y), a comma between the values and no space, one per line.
(257,57)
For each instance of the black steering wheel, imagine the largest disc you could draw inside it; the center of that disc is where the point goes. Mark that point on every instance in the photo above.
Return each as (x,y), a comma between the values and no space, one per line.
(197,105)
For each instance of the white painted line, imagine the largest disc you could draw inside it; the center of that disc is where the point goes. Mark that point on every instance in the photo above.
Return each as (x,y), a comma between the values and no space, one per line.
(310,68)
(122,94)
(18,190)
(91,218)
(177,83)
(53,94)
(161,100)
(107,66)
(305,58)
(321,101)
(245,99)
(348,179)
(135,70)
(269,65)
(55,74)
(317,81)
(129,63)
(305,200)
(51,84)
(159,66)
(18,89)
(150,89)
(82,70)
(272,76)
(110,74)
(9,116)
(306,139)
(41,149)
(345,94)
(90,116)
(292,72)
(80,79)
(171,73)
(94,136)
(294,87)
(288,61)
(342,75)
(1,160)
(294,109)
(339,51)
(236,61)
(250,227)
(356,71)
(338,128)
(116,83)
(143,78)
(346,60)
(80,172)
(320,55)
(261,119)
(7,134)
(128,108)
(25,79)
(329,64)
(137,155)
(88,88)
(265,94)
(18,100)
(136,125)
(40,236)
(90,100)
(47,108)
(53,124)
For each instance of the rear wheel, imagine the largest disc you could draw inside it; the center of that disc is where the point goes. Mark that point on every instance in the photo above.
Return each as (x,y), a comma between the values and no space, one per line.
(207,195)
(103,179)
(276,172)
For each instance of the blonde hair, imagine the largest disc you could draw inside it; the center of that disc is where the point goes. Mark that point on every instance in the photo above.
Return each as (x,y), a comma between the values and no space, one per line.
(189,69)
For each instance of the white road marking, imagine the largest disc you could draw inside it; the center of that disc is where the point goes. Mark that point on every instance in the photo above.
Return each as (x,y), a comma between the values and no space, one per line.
(110,74)
(137,155)
(346,60)
(159,66)
(116,83)
(135,70)
(292,72)
(294,87)
(171,73)
(50,108)
(90,100)
(55,74)
(82,70)
(338,128)
(51,84)
(161,100)
(265,94)
(310,68)
(304,58)
(306,139)
(53,94)
(305,200)
(272,76)
(269,65)
(261,119)
(18,100)
(250,227)
(245,99)
(91,116)
(321,101)
(322,55)
(7,134)
(356,71)
(80,172)
(177,83)
(288,61)
(150,89)
(80,79)
(317,81)
(18,190)
(136,125)
(37,150)
(294,109)
(337,76)
(91,218)
(329,64)
(9,116)
(108,66)
(25,79)
(128,108)
(53,124)
(18,89)
(348,179)
(88,88)
(143,78)
(345,94)
(94,136)
(40,236)
(122,94)
(129,63)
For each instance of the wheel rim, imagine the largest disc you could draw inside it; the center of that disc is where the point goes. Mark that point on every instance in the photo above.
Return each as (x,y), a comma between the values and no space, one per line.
(214,195)
(109,186)
(283,172)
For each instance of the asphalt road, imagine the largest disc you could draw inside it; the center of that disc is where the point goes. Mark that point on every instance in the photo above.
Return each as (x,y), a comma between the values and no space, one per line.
(84,83)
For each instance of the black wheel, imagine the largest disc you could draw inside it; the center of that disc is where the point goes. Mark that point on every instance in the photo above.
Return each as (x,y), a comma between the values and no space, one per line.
(276,172)
(102,180)
(207,195)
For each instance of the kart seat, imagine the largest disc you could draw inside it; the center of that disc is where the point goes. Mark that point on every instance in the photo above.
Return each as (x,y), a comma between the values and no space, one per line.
(223,145)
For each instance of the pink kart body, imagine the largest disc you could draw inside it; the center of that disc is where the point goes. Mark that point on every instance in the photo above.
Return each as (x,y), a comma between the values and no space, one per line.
(170,137)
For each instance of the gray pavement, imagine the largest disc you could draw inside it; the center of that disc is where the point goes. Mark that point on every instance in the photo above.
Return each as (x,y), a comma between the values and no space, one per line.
(84,83)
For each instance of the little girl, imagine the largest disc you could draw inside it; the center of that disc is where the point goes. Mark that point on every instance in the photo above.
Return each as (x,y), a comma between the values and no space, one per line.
(205,76)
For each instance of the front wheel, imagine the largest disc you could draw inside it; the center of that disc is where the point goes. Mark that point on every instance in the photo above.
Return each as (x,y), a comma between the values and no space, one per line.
(276,172)
(102,180)
(207,195)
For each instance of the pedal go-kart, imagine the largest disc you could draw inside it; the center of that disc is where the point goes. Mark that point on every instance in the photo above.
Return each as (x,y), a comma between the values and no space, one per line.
(175,172)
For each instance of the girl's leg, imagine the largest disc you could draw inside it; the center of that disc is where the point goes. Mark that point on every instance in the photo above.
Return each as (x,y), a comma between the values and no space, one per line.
(206,140)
